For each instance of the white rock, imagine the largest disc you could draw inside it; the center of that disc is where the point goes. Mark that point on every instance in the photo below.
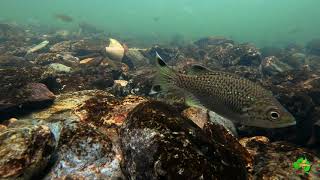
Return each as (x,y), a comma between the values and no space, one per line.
(115,50)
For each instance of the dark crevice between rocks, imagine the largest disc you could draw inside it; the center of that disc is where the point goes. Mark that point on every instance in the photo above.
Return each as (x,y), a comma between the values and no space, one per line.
(24,109)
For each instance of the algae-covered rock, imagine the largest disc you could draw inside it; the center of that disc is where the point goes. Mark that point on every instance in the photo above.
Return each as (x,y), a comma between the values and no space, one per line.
(272,65)
(9,61)
(275,160)
(25,151)
(26,98)
(85,125)
(313,46)
(158,143)
(83,152)
(58,68)
(213,41)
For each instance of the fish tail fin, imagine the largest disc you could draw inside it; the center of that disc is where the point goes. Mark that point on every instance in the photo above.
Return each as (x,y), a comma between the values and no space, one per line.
(166,76)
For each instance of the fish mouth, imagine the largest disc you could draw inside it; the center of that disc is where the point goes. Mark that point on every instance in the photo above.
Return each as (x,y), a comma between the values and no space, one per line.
(283,125)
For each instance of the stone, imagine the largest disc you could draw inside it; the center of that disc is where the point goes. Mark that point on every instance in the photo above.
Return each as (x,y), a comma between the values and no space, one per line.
(158,143)
(274,160)
(29,97)
(25,151)
(83,152)
(58,68)
(313,47)
(271,65)
(135,58)
(9,61)
(85,125)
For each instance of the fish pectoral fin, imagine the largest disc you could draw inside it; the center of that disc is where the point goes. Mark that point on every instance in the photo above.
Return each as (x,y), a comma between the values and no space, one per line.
(192,101)
(198,69)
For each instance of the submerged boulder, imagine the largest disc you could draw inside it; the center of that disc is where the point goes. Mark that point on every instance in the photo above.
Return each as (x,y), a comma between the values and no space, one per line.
(313,47)
(25,151)
(275,160)
(25,98)
(83,152)
(85,126)
(158,143)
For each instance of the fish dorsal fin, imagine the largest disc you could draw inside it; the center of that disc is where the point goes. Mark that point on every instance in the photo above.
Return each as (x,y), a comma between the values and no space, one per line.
(198,69)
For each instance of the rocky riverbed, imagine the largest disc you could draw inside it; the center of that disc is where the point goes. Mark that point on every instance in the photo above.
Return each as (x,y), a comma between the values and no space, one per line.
(83,106)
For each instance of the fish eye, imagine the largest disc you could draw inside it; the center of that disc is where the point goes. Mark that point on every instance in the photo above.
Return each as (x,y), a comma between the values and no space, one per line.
(274,115)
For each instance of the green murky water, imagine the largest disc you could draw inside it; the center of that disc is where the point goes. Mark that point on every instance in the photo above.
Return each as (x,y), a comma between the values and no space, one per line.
(263,22)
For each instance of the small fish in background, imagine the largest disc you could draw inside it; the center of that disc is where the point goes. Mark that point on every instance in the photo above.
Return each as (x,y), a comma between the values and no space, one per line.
(64,18)
(156,19)
(295,30)
(85,27)
(229,95)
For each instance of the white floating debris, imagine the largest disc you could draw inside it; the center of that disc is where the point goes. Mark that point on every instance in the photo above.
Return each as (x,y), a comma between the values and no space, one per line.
(115,50)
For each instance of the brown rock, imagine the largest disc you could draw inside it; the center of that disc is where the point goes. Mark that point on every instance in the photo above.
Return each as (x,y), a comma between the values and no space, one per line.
(274,160)
(158,143)
(25,151)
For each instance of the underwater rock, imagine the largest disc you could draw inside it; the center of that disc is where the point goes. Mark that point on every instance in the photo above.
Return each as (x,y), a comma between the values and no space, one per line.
(100,74)
(213,41)
(298,92)
(25,151)
(158,143)
(10,32)
(69,59)
(87,61)
(26,98)
(16,48)
(78,48)
(58,68)
(202,116)
(64,46)
(37,92)
(230,55)
(314,62)
(121,88)
(272,51)
(85,125)
(271,65)
(226,123)
(168,54)
(115,50)
(198,115)
(249,72)
(250,55)
(87,47)
(142,81)
(274,160)
(296,60)
(313,47)
(85,153)
(47,58)
(9,61)
(199,54)
(135,58)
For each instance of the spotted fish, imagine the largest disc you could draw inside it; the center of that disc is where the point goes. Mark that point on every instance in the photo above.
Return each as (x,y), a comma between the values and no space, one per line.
(242,101)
